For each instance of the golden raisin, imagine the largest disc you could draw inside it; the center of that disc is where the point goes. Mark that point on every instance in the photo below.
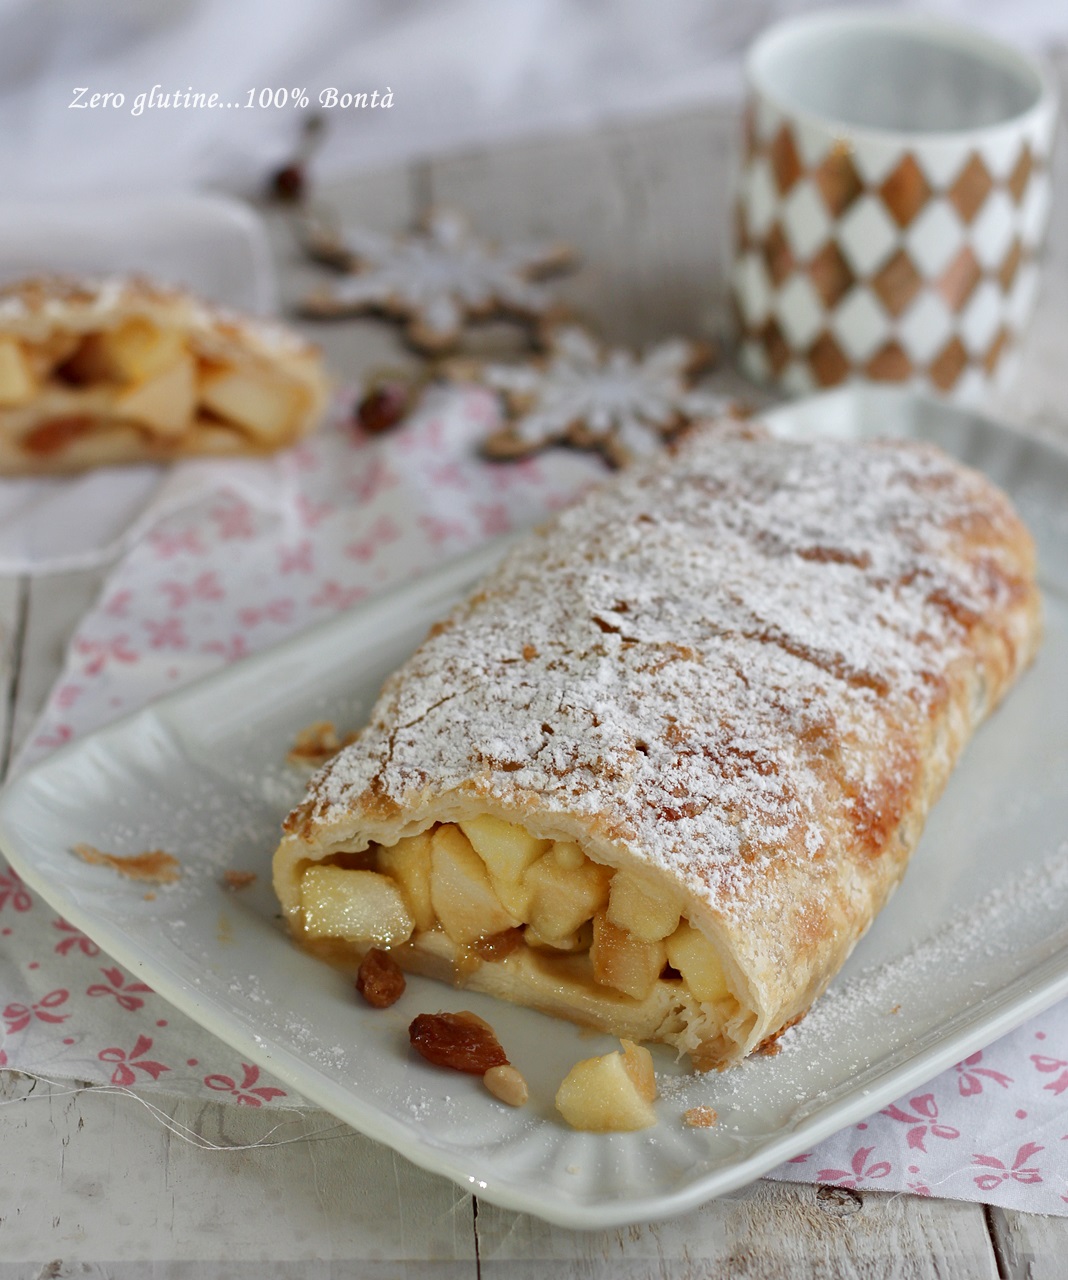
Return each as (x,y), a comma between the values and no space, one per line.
(461,1041)
(495,946)
(379,979)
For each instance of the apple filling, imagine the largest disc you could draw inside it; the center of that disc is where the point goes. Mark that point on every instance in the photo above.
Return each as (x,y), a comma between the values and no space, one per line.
(484,892)
(145,378)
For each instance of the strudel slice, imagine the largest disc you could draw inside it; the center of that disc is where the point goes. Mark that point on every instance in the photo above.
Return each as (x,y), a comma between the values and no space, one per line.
(659,773)
(124,370)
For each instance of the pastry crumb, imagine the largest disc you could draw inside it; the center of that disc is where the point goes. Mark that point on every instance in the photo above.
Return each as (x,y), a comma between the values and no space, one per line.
(317,743)
(699,1117)
(238,879)
(153,866)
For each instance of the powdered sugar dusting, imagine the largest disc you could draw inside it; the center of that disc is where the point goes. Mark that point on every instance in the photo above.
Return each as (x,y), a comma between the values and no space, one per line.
(726,660)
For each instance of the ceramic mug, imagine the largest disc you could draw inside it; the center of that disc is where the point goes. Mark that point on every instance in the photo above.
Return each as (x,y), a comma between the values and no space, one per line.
(894,197)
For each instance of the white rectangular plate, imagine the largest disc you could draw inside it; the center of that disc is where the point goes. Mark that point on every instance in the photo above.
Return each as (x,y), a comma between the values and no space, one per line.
(973,943)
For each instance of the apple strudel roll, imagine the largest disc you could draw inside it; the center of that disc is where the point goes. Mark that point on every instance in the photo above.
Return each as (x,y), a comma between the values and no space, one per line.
(98,372)
(661,770)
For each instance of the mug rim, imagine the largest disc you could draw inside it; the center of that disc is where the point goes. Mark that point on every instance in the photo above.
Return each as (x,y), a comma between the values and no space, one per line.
(959,36)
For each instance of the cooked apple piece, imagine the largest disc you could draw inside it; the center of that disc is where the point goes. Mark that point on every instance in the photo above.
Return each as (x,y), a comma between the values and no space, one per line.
(689,951)
(359,906)
(611,1094)
(507,850)
(408,862)
(138,350)
(648,912)
(17,383)
(580,940)
(164,403)
(622,961)
(564,896)
(258,400)
(460,890)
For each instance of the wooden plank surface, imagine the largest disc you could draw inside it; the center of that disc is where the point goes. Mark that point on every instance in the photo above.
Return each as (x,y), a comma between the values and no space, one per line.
(103,1186)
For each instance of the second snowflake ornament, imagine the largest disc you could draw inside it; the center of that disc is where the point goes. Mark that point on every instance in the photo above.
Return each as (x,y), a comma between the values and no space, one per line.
(608,399)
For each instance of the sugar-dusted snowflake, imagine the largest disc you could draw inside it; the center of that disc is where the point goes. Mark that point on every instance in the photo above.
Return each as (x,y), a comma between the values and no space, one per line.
(610,399)
(436,279)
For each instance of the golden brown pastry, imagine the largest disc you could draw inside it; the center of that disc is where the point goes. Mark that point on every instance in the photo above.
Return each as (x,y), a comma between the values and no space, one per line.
(95,372)
(659,773)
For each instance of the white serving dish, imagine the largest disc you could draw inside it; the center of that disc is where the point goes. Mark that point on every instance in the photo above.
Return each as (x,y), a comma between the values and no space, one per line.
(946,968)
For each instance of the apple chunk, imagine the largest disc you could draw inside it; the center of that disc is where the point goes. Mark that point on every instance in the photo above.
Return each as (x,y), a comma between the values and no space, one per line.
(165,402)
(138,350)
(689,951)
(265,405)
(647,911)
(622,961)
(507,851)
(565,891)
(611,1094)
(359,906)
(460,889)
(17,383)
(408,862)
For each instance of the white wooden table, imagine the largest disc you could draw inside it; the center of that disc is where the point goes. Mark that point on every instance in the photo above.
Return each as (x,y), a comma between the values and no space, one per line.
(91,1184)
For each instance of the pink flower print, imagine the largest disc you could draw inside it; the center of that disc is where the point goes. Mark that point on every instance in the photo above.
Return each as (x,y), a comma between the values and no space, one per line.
(1018,1172)
(312,513)
(296,559)
(130,1064)
(3,1063)
(120,989)
(926,1110)
(13,891)
(859,1170)
(383,531)
(1042,1063)
(969,1081)
(493,518)
(247,1093)
(451,474)
(50,739)
(233,520)
(440,531)
(168,634)
(232,649)
(19,1016)
(204,587)
(274,611)
(167,544)
(800,1159)
(100,652)
(118,605)
(332,595)
(67,695)
(74,940)
(377,477)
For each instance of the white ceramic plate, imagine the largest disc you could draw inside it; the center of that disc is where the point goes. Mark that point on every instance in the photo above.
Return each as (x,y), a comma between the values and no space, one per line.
(974,942)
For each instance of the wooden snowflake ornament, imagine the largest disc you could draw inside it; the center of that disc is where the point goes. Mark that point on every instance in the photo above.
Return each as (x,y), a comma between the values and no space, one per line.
(435,279)
(609,399)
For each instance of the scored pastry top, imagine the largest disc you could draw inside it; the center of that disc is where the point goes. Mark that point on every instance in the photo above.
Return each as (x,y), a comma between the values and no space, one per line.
(727,659)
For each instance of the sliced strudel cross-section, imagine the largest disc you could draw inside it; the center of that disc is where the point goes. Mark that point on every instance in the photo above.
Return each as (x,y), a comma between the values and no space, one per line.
(94,372)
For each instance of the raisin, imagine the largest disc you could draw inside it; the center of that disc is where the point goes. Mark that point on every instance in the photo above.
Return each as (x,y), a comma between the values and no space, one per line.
(495,946)
(379,979)
(462,1041)
(383,408)
(56,434)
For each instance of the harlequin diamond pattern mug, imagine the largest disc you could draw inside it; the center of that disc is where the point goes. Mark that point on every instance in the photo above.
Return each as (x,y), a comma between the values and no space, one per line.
(894,197)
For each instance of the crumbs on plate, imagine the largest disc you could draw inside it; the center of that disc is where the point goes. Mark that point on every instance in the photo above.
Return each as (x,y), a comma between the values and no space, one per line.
(153,866)
(699,1117)
(317,743)
(235,880)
